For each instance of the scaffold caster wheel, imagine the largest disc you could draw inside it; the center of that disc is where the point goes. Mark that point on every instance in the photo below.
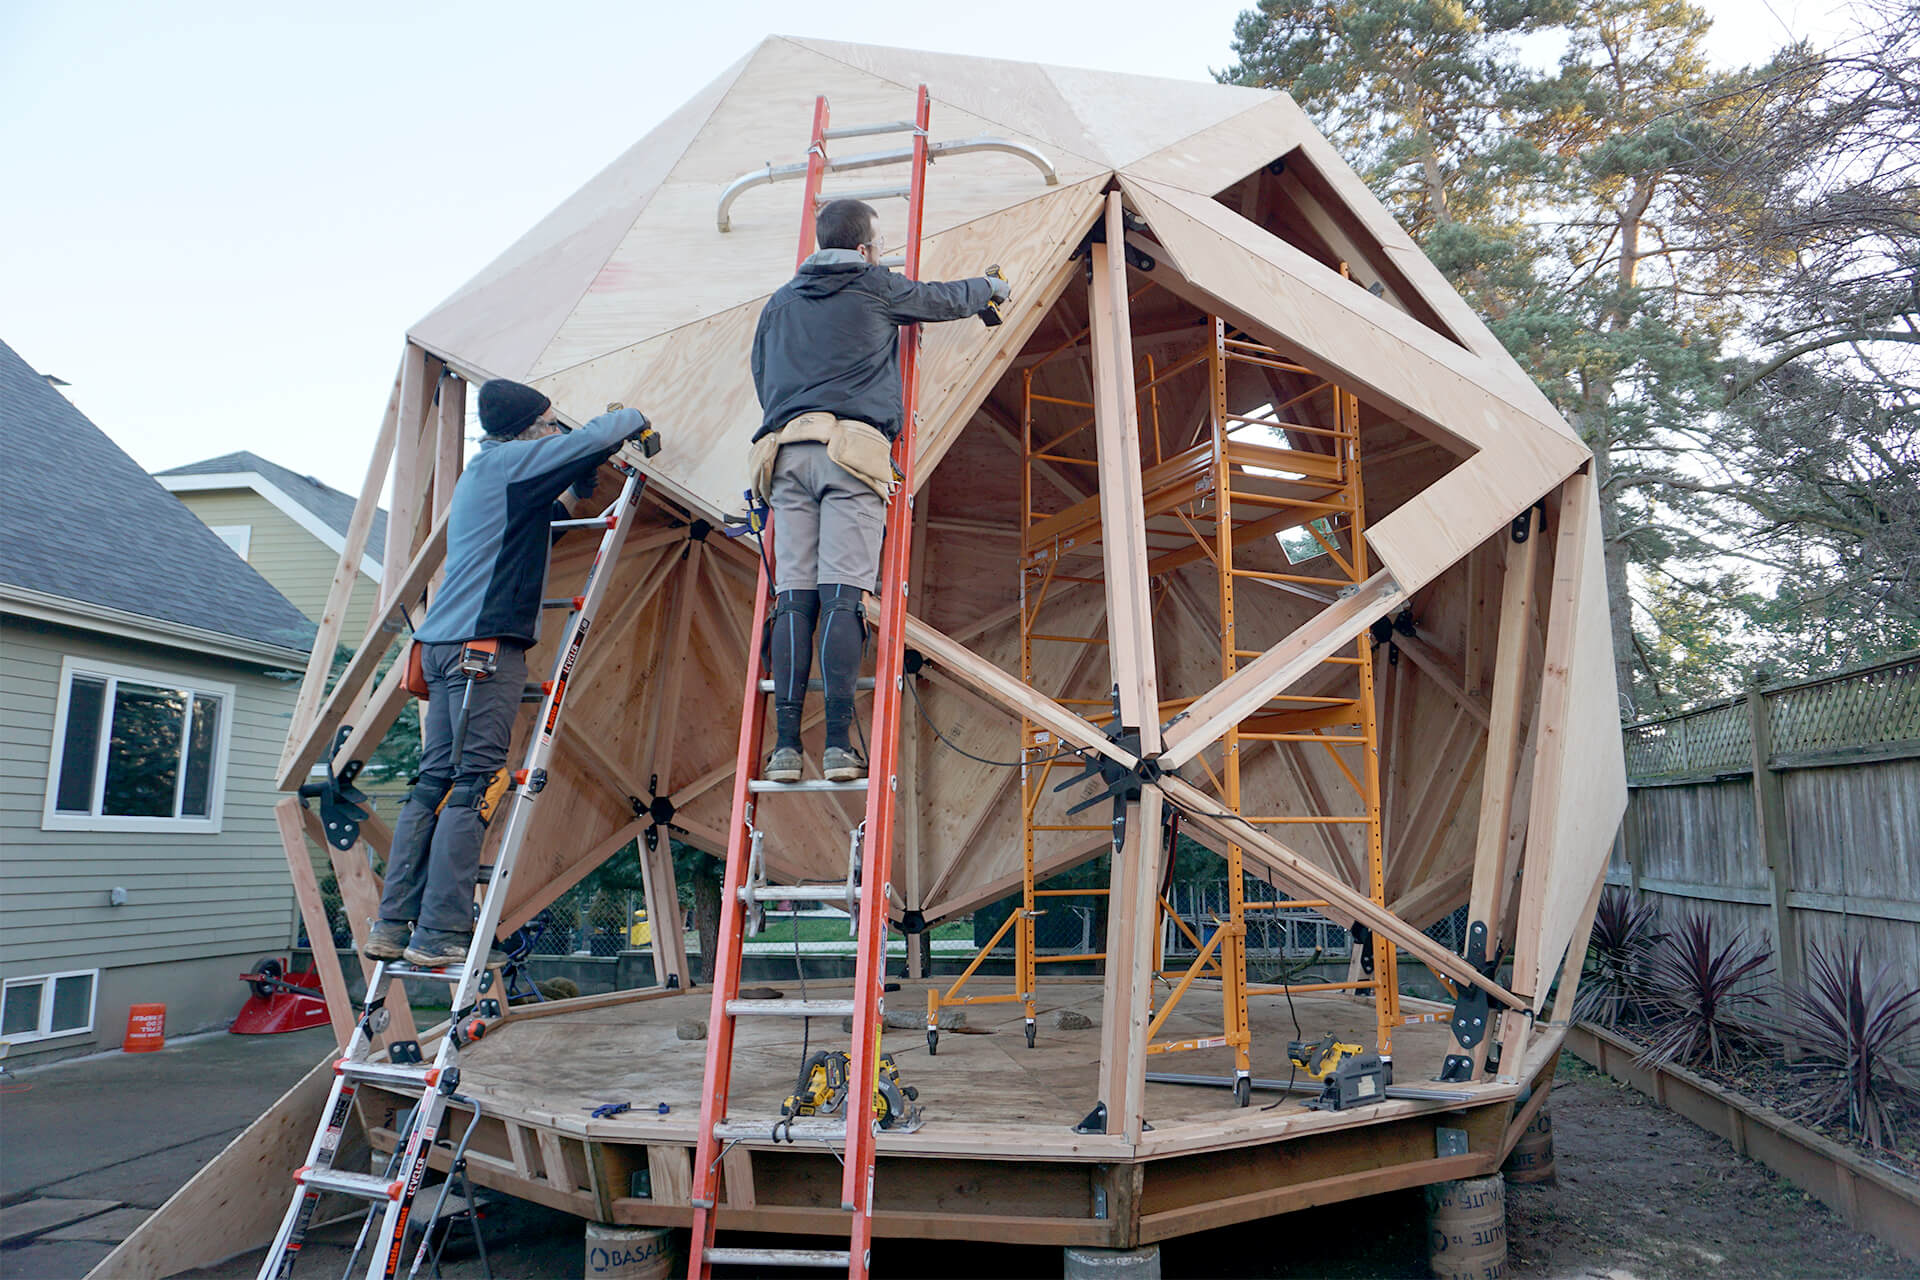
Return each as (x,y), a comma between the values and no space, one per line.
(933,1043)
(1030,1030)
(1242,1092)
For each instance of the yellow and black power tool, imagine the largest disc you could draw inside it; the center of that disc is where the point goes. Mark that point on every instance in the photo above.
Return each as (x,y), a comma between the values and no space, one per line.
(1349,1076)
(992,314)
(822,1091)
(822,1087)
(647,438)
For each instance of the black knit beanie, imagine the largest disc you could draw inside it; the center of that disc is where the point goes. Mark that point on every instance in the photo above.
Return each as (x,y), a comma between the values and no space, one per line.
(508,408)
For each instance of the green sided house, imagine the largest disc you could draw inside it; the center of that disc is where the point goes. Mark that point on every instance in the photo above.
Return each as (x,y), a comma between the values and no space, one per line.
(146,677)
(289,527)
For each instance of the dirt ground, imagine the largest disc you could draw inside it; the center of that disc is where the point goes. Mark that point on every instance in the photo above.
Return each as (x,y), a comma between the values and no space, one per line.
(1643,1195)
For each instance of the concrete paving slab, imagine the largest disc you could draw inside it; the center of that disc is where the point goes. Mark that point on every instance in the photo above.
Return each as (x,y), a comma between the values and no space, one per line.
(111,1227)
(31,1217)
(95,1113)
(146,1181)
(52,1260)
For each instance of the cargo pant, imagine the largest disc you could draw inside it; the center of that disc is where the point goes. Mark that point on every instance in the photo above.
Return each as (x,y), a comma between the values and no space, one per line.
(436,850)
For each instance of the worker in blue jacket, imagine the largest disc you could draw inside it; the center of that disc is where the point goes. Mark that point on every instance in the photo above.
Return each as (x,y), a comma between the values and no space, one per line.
(474,643)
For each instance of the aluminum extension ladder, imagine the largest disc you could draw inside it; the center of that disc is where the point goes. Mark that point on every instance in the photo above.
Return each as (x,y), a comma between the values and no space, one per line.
(390,1194)
(870,843)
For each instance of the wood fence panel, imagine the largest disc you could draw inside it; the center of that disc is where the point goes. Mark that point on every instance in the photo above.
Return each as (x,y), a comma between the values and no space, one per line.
(1846,753)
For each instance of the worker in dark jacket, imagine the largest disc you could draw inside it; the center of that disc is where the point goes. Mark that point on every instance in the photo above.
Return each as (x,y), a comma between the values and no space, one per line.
(484,618)
(826,365)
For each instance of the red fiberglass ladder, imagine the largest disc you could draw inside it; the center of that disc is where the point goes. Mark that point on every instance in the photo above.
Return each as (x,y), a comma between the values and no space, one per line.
(872,841)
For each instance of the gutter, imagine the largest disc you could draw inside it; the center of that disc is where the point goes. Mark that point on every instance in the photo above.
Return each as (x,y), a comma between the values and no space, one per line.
(28,603)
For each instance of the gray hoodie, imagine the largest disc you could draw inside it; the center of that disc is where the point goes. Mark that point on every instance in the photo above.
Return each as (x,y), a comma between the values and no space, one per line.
(829,339)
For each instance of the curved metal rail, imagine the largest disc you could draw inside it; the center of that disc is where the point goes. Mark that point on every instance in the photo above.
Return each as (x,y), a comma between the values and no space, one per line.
(878,159)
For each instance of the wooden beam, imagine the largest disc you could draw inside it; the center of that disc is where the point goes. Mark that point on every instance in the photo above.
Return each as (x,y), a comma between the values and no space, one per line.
(1439,668)
(450,429)
(1234,699)
(314,742)
(346,575)
(1123,542)
(1551,727)
(1503,747)
(1126,1002)
(360,902)
(419,372)
(1310,881)
(1009,692)
(313,911)
(656,865)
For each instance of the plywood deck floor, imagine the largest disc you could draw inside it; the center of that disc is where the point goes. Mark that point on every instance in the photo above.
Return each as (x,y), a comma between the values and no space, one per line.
(984,1092)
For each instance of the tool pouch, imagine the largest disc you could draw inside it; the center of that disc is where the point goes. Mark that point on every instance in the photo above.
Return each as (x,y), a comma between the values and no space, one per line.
(479,659)
(865,452)
(859,448)
(415,679)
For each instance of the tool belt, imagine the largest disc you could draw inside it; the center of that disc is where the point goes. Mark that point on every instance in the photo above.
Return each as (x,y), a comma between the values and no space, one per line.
(478,660)
(859,447)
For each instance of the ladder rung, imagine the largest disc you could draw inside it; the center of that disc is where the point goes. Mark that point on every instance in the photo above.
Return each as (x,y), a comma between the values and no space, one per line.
(803,1128)
(869,193)
(823,1258)
(587,522)
(417,1074)
(804,892)
(452,973)
(563,602)
(791,1008)
(869,130)
(820,686)
(365,1186)
(809,784)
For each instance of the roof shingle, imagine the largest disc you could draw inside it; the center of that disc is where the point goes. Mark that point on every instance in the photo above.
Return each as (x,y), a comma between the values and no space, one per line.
(80,520)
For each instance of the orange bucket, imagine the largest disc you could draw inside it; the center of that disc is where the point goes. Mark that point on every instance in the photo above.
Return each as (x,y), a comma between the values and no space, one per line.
(146,1028)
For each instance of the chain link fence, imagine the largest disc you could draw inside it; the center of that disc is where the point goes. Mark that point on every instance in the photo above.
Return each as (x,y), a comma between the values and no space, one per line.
(587,922)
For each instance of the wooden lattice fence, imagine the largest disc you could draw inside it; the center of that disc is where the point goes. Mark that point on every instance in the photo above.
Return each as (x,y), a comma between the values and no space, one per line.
(1796,814)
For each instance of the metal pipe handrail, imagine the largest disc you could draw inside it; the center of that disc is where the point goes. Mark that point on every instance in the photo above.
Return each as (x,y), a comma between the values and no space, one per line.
(876,159)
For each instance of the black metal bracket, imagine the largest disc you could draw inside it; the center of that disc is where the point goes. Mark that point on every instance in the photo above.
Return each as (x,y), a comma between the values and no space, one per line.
(343,807)
(1472,1008)
(698,531)
(657,809)
(1361,934)
(1519,530)
(1096,1121)
(913,922)
(404,1052)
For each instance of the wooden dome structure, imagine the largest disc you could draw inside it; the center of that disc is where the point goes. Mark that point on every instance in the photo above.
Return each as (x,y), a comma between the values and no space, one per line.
(1255,484)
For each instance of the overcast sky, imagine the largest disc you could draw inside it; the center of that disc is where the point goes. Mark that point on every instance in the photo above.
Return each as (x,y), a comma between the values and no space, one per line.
(218,219)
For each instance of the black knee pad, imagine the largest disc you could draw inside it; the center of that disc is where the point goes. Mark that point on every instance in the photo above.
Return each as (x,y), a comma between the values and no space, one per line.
(431,790)
(481,793)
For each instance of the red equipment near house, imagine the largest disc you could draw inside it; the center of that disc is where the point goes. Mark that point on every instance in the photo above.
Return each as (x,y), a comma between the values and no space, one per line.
(280,1000)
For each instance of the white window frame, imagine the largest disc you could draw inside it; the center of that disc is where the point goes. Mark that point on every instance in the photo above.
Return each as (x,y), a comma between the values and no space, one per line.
(51,819)
(237,536)
(45,981)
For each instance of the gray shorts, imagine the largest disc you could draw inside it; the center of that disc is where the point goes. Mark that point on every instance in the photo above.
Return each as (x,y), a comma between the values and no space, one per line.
(827,523)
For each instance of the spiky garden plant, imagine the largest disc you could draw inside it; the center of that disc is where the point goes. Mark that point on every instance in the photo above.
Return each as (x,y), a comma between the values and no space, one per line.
(1848,1025)
(1691,980)
(1613,980)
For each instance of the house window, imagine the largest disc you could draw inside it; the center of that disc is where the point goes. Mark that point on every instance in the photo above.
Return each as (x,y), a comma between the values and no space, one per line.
(52,1004)
(237,536)
(136,750)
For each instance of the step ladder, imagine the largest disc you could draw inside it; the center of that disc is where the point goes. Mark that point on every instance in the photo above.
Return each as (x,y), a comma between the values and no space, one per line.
(478,996)
(870,844)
